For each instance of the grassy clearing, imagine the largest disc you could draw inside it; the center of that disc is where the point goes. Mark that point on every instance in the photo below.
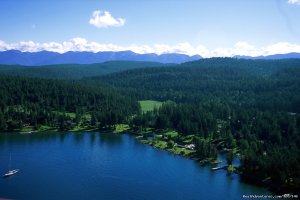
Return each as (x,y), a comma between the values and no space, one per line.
(181,151)
(78,128)
(31,129)
(176,150)
(120,128)
(171,134)
(83,129)
(231,168)
(160,144)
(149,105)
(26,129)
(46,128)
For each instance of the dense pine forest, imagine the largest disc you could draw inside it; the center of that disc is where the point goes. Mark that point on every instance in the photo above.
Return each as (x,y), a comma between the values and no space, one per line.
(246,108)
(27,102)
(247,83)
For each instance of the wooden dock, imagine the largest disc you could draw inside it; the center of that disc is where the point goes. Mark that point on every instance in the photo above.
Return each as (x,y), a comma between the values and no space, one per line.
(219,168)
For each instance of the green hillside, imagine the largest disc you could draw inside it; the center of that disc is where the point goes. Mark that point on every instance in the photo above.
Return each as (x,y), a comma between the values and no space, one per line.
(245,83)
(248,108)
(59,104)
(74,71)
(149,105)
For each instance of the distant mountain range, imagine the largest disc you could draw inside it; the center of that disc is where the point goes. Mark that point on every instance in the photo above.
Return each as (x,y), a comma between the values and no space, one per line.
(273,57)
(50,58)
(13,57)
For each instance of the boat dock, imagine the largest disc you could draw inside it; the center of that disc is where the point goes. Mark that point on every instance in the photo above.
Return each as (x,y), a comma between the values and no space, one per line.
(219,168)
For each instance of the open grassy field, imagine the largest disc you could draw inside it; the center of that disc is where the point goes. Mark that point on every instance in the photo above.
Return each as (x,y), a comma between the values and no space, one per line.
(120,128)
(149,105)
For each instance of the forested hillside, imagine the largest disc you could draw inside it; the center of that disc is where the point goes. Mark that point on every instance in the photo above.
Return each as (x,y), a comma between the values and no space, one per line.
(245,107)
(267,85)
(75,71)
(31,102)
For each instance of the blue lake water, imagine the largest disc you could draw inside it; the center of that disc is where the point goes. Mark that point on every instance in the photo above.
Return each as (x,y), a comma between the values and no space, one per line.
(107,166)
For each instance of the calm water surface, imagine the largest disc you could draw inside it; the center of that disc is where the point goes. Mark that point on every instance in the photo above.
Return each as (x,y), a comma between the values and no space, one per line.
(106,166)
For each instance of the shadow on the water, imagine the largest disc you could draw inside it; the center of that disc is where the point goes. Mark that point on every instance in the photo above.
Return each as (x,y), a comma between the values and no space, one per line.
(78,137)
(17,138)
(110,138)
(1,139)
(92,138)
(62,137)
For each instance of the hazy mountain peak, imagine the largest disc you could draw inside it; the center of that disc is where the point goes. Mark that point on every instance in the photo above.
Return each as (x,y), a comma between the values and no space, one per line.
(48,58)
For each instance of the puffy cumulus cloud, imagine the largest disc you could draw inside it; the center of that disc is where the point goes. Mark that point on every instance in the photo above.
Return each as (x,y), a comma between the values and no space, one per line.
(280,48)
(183,48)
(4,46)
(240,48)
(294,2)
(53,46)
(245,49)
(81,44)
(28,46)
(104,19)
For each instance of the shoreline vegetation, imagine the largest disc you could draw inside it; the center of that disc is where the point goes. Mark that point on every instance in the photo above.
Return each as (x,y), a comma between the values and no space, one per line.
(156,139)
(167,140)
(159,142)
(164,139)
(159,139)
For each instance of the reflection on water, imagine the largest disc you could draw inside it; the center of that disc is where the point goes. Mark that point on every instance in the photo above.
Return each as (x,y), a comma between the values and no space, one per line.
(92,138)
(17,138)
(78,137)
(110,138)
(62,137)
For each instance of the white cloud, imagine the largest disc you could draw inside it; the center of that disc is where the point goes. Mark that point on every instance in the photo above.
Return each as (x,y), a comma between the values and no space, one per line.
(82,44)
(104,19)
(281,48)
(4,46)
(294,2)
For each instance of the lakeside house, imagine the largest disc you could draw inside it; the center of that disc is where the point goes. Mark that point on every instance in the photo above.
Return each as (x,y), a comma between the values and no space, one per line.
(190,146)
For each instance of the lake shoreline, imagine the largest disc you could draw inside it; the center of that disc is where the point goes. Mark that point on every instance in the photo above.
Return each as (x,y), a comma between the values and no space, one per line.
(99,165)
(247,178)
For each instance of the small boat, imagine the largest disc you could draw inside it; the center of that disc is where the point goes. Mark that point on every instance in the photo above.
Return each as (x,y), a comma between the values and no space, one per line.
(11,172)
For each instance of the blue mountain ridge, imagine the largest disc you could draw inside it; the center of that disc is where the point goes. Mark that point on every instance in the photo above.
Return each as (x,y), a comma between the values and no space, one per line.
(71,57)
(273,57)
(12,57)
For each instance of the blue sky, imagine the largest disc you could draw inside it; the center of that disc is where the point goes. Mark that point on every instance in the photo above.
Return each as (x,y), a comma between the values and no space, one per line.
(207,27)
